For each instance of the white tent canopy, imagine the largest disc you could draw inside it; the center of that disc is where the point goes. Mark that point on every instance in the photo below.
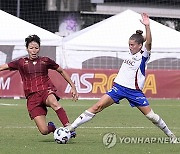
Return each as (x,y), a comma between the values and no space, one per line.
(114,32)
(14,30)
(110,38)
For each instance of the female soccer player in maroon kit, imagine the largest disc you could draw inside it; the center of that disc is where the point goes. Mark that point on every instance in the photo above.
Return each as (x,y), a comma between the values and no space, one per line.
(38,88)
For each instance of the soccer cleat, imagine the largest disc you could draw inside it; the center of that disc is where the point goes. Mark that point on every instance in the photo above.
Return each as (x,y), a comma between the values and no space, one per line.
(72,131)
(70,128)
(51,124)
(173,139)
(73,134)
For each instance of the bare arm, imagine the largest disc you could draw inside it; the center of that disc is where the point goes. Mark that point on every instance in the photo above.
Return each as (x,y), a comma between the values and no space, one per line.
(67,78)
(4,67)
(145,20)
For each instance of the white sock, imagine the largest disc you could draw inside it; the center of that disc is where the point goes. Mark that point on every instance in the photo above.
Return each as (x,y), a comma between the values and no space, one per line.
(162,125)
(84,117)
(156,120)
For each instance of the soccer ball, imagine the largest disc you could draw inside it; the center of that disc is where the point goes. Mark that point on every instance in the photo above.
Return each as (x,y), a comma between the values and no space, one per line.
(62,135)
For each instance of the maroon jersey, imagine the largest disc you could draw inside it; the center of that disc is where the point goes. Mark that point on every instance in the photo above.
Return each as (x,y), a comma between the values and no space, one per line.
(34,73)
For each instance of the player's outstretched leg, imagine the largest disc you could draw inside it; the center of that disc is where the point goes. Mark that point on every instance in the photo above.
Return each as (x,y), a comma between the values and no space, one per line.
(159,122)
(84,117)
(61,113)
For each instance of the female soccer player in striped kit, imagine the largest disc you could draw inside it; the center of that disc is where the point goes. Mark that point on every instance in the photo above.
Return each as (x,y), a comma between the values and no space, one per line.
(38,88)
(129,82)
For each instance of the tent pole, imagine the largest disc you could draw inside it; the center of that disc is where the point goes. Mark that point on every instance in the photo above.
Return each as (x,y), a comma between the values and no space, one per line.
(18,8)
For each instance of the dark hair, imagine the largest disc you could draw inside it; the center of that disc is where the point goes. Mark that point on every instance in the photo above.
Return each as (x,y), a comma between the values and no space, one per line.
(138,37)
(31,38)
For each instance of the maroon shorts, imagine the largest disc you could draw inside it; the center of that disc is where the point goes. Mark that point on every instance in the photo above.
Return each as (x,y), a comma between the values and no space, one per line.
(36,103)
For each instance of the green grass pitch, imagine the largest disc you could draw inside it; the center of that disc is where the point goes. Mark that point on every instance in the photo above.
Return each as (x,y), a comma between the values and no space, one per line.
(19,135)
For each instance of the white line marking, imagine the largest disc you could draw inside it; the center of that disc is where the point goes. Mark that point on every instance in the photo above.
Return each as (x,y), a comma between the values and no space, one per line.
(115,105)
(117,127)
(77,105)
(16,127)
(97,127)
(2,104)
(123,127)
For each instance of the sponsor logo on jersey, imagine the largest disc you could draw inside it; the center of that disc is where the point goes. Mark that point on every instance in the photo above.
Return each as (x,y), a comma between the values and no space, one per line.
(129,62)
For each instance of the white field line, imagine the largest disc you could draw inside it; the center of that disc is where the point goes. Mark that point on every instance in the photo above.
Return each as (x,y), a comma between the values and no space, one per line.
(3,104)
(115,105)
(96,127)
(123,127)
(77,105)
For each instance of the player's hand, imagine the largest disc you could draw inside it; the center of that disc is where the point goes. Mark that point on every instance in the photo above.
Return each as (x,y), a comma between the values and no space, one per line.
(74,94)
(145,19)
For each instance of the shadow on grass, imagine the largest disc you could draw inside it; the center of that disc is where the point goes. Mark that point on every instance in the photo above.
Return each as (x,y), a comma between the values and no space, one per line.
(47,140)
(51,141)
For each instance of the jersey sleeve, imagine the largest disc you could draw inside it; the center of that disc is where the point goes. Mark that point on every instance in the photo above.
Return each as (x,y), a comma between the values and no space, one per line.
(14,65)
(146,53)
(51,63)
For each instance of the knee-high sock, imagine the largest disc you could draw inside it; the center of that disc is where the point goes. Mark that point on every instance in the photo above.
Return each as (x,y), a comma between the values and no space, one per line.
(84,117)
(62,116)
(156,120)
